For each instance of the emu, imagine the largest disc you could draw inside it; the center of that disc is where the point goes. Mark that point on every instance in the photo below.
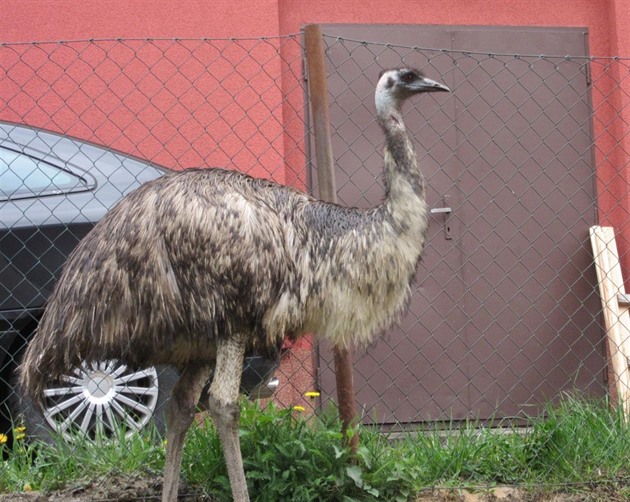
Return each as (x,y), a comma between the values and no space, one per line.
(197,267)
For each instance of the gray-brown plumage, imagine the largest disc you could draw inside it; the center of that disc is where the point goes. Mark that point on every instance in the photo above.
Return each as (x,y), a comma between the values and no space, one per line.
(197,267)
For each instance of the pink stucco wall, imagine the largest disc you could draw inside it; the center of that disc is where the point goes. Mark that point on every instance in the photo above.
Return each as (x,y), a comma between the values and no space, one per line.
(29,20)
(606,20)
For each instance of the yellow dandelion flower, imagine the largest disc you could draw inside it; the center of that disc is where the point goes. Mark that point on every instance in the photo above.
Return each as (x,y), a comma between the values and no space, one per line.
(312,394)
(28,487)
(3,438)
(19,436)
(299,408)
(20,429)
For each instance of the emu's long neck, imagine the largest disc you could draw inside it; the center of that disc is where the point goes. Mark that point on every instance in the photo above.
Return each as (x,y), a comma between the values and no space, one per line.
(405,199)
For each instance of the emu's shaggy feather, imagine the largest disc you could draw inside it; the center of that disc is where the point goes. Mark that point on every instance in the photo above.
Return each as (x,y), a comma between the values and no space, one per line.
(202,254)
(196,267)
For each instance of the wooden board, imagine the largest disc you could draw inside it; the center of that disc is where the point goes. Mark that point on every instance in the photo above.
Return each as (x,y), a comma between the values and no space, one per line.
(616,309)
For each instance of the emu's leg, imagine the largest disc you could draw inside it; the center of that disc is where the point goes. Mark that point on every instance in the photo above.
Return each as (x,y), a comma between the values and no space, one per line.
(224,409)
(180,413)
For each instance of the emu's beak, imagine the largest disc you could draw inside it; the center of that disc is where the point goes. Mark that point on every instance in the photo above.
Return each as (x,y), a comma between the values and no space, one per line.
(427,85)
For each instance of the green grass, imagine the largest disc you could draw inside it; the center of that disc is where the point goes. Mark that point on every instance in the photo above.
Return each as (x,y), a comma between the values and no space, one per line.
(39,466)
(290,457)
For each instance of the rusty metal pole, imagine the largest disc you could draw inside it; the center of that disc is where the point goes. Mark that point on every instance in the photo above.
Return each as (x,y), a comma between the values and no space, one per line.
(318,92)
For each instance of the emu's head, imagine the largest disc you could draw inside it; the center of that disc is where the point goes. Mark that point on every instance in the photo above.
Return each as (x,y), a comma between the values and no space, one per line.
(395,86)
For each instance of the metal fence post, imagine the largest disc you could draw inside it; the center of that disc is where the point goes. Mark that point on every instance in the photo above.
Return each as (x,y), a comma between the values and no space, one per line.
(318,92)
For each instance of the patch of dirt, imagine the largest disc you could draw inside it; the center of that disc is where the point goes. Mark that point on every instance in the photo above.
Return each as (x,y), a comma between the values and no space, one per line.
(144,487)
(512,494)
(115,487)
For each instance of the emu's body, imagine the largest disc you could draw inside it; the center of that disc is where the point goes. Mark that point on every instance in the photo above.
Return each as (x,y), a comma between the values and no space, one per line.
(203,254)
(197,267)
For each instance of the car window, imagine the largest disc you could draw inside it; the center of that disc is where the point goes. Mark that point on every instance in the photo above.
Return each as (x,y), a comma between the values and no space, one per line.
(24,176)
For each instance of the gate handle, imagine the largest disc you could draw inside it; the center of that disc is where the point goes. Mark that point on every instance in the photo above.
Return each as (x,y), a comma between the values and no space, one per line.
(446,211)
(437,210)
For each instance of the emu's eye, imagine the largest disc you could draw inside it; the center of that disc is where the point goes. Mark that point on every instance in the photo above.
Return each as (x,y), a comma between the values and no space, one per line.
(407,78)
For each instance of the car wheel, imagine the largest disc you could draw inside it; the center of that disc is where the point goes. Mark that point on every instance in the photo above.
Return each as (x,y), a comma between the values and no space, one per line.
(99,399)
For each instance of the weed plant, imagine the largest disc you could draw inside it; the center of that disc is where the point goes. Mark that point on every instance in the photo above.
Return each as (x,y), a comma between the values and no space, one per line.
(292,457)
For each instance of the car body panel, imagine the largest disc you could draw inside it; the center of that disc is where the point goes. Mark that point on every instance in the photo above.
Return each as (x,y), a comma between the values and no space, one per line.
(38,232)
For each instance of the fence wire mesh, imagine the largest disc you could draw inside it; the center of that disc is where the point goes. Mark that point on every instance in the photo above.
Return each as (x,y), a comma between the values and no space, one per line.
(521,158)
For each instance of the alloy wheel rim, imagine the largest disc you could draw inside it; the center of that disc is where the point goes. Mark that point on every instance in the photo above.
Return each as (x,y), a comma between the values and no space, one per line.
(102,399)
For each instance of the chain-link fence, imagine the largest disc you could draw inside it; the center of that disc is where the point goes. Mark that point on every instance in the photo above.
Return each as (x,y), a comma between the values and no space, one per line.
(521,158)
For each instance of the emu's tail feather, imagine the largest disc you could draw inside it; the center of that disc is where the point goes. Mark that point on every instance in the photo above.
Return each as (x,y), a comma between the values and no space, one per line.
(40,365)
(31,380)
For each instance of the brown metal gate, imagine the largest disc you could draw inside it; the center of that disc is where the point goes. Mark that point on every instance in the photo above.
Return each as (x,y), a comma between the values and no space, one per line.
(504,314)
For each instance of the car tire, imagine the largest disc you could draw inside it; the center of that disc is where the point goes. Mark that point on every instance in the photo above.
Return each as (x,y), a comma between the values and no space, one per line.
(77,403)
